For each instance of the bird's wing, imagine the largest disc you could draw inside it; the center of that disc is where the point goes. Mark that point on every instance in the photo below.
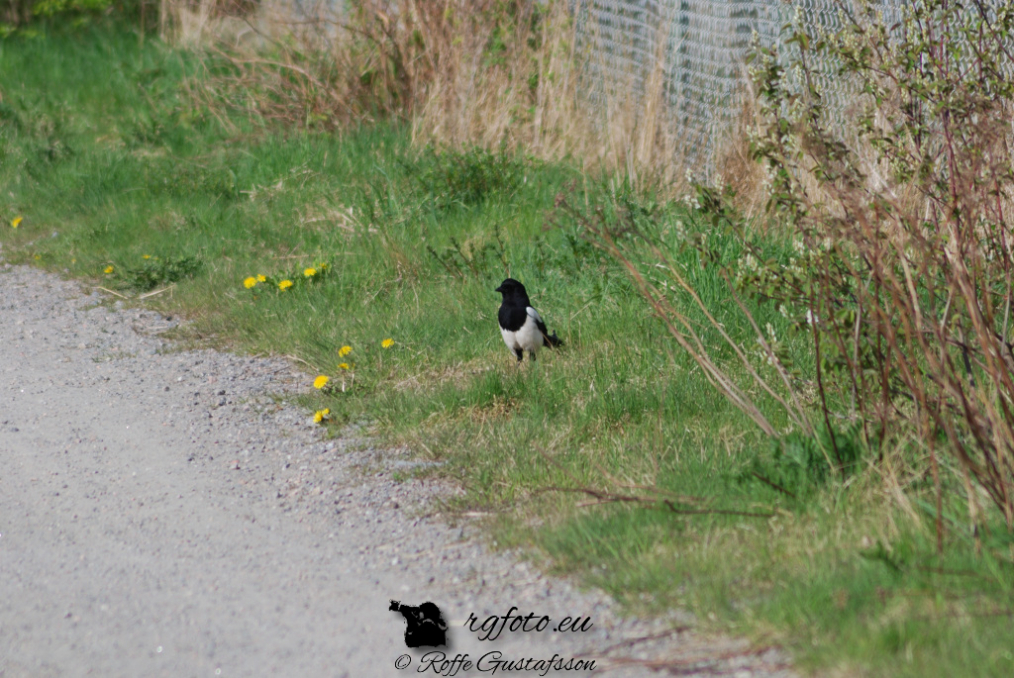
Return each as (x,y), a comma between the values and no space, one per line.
(538,321)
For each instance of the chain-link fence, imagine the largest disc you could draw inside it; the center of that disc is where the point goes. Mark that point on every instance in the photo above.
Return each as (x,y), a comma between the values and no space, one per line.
(684,60)
(700,46)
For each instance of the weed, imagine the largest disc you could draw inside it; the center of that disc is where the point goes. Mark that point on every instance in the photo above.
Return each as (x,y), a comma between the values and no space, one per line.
(156,272)
(468,177)
(799,464)
(477,261)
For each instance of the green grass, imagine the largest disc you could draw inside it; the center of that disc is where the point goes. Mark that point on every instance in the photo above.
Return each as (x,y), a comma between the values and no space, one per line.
(108,160)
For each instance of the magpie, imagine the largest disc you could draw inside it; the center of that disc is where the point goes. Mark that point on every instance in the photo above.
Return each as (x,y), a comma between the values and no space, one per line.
(520,324)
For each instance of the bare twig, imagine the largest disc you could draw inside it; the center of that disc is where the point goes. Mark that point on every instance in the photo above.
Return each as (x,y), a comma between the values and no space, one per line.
(121,296)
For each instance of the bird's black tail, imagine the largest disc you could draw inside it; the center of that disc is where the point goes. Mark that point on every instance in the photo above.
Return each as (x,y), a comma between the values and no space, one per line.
(553,341)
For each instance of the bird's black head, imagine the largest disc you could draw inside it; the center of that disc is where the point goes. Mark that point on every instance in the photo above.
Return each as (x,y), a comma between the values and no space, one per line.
(512,289)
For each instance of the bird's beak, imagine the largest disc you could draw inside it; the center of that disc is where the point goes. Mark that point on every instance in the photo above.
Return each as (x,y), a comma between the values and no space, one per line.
(499,289)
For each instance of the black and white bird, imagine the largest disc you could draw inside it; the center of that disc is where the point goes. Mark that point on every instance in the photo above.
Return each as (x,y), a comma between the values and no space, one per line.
(520,324)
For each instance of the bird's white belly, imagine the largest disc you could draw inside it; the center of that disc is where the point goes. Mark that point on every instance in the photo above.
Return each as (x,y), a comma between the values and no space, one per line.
(528,338)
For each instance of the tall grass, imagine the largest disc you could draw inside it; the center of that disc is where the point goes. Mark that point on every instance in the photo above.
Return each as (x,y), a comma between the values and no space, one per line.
(505,76)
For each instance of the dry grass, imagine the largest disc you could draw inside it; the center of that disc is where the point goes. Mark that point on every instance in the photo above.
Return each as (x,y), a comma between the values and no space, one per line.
(463,73)
(735,162)
(192,23)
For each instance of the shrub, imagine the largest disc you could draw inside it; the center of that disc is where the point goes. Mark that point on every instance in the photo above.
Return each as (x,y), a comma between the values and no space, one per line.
(908,216)
(901,262)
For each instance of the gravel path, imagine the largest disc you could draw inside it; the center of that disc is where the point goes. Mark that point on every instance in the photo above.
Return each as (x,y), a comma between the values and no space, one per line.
(166,513)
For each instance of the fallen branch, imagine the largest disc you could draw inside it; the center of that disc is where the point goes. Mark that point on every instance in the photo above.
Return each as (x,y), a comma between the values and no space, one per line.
(609,498)
(772,484)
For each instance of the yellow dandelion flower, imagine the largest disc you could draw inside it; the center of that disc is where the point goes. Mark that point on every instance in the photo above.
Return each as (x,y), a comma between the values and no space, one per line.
(387,343)
(285,284)
(321,381)
(17,222)
(321,415)
(107,269)
(344,351)
(310,272)
(249,282)
(343,366)
(262,278)
(146,256)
